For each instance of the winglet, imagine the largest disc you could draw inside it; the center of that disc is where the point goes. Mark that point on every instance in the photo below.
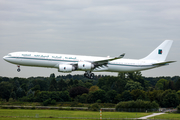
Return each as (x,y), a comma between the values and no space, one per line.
(120,56)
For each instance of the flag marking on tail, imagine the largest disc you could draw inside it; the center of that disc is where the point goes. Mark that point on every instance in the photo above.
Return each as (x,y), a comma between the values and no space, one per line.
(160,51)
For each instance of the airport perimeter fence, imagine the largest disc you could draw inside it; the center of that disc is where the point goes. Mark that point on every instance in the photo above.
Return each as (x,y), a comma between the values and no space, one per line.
(136,110)
(80,108)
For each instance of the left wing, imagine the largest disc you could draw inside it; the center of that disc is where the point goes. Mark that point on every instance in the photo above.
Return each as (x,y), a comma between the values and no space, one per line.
(105,62)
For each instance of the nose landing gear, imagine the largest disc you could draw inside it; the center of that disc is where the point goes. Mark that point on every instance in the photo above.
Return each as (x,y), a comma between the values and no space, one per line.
(18,69)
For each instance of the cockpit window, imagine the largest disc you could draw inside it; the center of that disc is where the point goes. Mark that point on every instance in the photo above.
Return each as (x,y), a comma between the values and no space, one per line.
(9,55)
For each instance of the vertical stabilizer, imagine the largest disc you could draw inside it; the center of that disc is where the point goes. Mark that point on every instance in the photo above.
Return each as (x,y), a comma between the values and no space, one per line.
(161,52)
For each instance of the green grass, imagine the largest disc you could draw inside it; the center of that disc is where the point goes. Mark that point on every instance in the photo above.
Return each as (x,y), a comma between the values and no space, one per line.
(66,114)
(174,116)
(50,119)
(5,118)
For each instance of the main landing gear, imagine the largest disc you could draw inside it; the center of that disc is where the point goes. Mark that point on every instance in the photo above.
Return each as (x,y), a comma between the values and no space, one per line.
(18,69)
(89,75)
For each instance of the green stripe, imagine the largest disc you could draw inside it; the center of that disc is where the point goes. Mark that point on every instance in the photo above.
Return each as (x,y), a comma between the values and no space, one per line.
(42,59)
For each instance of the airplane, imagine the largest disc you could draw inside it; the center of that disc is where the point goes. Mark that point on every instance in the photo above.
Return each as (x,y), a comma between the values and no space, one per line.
(89,64)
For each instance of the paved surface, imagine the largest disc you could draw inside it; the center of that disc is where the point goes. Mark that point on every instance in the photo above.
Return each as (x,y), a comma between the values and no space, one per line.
(154,114)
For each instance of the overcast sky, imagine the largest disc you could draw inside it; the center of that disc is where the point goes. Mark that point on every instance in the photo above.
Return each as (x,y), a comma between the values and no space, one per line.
(88,27)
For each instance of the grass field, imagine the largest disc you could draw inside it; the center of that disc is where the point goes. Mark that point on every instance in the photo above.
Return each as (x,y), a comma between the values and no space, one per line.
(42,119)
(34,114)
(173,116)
(45,119)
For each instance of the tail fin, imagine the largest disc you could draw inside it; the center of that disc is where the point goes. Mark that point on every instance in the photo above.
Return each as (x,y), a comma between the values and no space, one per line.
(161,52)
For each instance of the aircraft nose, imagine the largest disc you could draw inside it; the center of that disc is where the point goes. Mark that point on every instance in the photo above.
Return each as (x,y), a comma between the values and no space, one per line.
(4,57)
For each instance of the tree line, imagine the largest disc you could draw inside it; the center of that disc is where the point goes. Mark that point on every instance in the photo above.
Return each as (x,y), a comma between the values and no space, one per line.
(130,86)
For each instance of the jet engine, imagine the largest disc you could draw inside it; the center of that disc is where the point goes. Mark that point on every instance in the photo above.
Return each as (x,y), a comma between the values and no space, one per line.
(66,68)
(85,66)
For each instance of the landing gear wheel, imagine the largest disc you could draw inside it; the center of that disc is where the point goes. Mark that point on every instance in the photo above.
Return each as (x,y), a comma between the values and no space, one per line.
(85,74)
(18,69)
(91,75)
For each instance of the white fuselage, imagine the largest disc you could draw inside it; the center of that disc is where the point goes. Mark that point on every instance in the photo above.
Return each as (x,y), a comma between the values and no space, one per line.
(49,60)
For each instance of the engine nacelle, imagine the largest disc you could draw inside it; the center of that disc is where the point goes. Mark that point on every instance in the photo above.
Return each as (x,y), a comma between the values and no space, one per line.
(66,68)
(85,66)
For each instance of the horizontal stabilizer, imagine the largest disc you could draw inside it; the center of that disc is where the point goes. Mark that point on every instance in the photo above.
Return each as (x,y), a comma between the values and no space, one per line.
(164,63)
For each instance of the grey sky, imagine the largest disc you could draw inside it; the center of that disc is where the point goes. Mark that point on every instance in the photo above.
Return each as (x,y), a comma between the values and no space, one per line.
(88,27)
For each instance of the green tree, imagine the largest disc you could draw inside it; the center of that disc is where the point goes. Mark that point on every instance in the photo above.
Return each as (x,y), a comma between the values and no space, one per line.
(178,93)
(93,88)
(126,96)
(52,88)
(13,95)
(30,92)
(71,82)
(118,98)
(161,84)
(170,98)
(37,87)
(110,95)
(76,82)
(5,90)
(24,86)
(42,96)
(131,85)
(82,98)
(52,76)
(177,85)
(88,85)
(65,96)
(155,95)
(53,85)
(119,85)
(78,91)
(97,95)
(20,92)
(61,85)
(139,94)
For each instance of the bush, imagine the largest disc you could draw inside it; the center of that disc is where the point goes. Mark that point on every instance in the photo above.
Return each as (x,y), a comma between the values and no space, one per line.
(140,104)
(53,102)
(46,102)
(98,101)
(178,108)
(94,107)
(76,104)
(11,100)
